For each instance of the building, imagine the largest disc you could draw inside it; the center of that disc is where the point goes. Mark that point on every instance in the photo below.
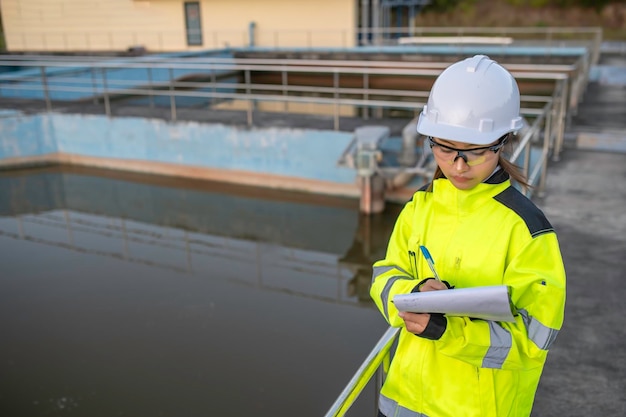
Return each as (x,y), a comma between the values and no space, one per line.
(178,25)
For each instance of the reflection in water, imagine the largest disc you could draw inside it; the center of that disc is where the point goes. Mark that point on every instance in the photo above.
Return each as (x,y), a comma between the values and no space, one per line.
(121,295)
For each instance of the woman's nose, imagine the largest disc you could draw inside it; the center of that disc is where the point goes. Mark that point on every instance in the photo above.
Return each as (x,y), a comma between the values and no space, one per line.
(460,164)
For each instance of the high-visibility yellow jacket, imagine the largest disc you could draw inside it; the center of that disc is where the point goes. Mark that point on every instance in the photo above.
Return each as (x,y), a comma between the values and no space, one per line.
(489,235)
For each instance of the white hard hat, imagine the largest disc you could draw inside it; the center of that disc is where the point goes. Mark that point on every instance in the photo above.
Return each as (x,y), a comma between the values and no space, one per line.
(473,101)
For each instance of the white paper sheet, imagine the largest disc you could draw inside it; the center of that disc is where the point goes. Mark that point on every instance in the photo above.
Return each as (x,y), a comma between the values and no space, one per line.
(489,303)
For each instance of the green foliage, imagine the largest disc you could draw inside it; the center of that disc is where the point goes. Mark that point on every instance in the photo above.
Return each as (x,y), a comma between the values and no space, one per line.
(447,5)
(442,5)
(539,3)
(597,4)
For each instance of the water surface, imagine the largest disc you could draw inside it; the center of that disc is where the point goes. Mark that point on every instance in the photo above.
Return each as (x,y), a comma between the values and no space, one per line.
(137,296)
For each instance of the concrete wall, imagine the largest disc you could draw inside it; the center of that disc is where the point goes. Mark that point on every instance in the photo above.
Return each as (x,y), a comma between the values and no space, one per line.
(159,25)
(295,159)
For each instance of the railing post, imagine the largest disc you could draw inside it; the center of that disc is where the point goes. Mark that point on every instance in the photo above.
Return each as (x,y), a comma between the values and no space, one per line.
(366,83)
(172,95)
(526,165)
(561,121)
(44,83)
(284,82)
(107,104)
(150,87)
(94,87)
(547,138)
(250,103)
(336,96)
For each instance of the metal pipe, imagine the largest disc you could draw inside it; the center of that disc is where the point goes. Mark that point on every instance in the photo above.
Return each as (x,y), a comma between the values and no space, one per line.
(365,5)
(376,22)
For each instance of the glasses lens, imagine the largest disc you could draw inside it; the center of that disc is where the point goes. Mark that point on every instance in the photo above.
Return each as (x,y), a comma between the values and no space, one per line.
(448,154)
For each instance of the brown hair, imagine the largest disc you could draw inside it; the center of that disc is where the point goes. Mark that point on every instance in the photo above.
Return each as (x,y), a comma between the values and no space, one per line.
(509,167)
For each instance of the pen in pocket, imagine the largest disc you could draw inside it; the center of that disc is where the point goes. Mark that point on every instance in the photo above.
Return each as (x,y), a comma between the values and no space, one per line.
(413,263)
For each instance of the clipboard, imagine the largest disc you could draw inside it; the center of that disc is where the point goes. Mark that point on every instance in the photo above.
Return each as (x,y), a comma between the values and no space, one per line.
(487,302)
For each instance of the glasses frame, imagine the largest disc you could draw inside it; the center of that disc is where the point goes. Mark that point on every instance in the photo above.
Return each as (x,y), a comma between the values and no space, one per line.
(461,153)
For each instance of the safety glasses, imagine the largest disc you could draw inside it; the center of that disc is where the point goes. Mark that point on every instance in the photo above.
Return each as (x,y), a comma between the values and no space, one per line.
(472,156)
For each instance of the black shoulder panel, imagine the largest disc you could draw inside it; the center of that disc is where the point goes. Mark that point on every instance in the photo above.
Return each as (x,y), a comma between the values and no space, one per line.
(534,218)
(424,187)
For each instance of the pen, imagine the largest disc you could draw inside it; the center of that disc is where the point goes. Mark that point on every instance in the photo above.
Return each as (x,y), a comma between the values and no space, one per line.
(429,261)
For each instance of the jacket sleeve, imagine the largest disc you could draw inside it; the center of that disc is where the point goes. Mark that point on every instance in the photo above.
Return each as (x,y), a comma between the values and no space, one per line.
(395,274)
(536,277)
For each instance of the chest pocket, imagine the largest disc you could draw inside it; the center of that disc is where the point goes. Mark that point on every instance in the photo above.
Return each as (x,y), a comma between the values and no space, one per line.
(413,254)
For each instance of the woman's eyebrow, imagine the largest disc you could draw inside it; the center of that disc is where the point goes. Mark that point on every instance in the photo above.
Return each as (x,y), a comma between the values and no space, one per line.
(448,143)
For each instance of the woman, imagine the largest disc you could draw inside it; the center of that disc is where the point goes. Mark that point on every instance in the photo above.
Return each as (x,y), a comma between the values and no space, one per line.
(480,231)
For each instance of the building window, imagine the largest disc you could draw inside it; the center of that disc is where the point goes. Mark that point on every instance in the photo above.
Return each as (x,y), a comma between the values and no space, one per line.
(193,24)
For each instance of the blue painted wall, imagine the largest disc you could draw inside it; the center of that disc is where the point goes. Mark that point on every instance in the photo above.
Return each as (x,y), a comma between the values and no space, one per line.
(22,135)
(300,153)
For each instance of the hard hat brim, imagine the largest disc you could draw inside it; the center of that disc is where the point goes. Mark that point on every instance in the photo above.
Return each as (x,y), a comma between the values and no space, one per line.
(462,134)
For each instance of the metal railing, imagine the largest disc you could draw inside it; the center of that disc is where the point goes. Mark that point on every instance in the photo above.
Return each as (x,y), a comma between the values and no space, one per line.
(379,355)
(207,83)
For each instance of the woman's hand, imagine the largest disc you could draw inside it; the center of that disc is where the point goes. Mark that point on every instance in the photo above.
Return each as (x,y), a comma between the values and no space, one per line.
(416,322)
(433,285)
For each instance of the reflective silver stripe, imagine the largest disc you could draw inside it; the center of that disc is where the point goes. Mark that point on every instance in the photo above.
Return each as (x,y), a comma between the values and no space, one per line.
(384,296)
(500,346)
(379,270)
(391,408)
(541,335)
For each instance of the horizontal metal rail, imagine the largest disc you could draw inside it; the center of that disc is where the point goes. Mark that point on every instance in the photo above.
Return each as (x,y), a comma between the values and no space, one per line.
(95,82)
(365,372)
(148,61)
(358,67)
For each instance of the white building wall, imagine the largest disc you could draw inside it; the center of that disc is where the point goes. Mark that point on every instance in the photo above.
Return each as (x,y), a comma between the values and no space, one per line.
(159,25)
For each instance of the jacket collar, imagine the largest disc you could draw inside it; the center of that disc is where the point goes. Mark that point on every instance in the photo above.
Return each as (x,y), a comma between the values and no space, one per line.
(449,198)
(498,176)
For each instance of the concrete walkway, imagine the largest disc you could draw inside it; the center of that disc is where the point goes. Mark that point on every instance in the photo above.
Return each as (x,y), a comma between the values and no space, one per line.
(585,374)
(585,200)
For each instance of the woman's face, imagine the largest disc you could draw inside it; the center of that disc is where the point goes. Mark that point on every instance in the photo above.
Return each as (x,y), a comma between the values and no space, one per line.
(464,164)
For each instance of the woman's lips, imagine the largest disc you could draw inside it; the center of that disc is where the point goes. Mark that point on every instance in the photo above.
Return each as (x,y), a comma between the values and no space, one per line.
(461,179)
